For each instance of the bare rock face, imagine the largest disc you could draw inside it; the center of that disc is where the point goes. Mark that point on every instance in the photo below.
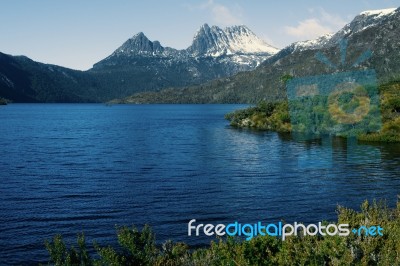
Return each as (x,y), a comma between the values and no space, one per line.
(214,41)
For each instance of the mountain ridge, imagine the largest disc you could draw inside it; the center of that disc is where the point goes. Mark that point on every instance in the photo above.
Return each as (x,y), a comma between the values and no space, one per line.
(140,69)
(213,42)
(139,64)
(376,31)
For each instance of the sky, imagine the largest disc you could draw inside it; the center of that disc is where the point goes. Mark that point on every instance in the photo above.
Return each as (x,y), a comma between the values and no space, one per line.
(77,34)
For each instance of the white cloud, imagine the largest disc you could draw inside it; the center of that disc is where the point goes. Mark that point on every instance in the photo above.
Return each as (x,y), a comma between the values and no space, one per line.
(308,29)
(334,20)
(321,23)
(221,14)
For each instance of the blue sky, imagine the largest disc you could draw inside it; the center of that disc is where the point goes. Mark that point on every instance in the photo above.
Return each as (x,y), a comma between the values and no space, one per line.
(77,34)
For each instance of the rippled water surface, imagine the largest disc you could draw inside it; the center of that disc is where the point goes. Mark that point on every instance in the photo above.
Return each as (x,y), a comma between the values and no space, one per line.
(71,168)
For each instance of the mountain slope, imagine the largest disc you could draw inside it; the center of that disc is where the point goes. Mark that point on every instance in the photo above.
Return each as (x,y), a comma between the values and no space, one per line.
(138,65)
(143,65)
(376,31)
(214,41)
(24,80)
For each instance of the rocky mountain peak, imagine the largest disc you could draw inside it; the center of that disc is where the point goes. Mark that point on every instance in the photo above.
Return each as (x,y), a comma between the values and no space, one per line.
(214,41)
(236,46)
(368,19)
(361,22)
(379,13)
(139,44)
(239,29)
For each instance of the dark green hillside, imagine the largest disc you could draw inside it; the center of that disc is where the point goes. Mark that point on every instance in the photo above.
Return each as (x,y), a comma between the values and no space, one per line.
(244,87)
(24,80)
(148,74)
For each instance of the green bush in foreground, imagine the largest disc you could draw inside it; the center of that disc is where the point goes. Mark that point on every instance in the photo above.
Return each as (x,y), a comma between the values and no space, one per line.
(139,248)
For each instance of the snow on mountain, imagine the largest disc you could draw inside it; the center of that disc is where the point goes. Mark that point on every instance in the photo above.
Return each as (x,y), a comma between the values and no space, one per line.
(313,44)
(214,41)
(366,20)
(361,22)
(139,44)
(379,13)
(236,45)
(237,42)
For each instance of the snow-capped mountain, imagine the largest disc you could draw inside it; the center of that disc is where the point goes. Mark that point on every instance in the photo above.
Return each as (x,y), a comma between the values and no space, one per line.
(139,44)
(368,19)
(365,20)
(140,64)
(214,41)
(313,44)
(361,22)
(237,42)
(374,33)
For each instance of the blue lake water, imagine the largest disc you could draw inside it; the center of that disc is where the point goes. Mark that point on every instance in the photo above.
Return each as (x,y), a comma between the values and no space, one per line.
(71,168)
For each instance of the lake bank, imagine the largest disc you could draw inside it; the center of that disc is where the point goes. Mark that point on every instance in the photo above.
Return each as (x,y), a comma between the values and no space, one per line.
(276,116)
(72,168)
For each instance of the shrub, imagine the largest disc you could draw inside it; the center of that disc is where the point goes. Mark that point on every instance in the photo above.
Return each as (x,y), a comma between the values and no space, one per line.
(138,247)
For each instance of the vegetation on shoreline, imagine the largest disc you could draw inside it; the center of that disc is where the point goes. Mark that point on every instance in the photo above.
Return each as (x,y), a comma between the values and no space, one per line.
(275,116)
(139,248)
(3,101)
(390,111)
(264,116)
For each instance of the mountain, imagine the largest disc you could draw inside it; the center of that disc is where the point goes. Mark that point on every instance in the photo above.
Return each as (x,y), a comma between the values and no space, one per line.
(24,80)
(214,41)
(138,65)
(376,31)
(143,65)
(208,42)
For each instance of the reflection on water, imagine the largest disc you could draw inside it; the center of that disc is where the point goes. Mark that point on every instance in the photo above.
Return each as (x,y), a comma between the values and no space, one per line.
(73,168)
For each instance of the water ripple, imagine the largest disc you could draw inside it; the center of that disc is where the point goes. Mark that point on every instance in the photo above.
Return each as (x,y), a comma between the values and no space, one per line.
(74,168)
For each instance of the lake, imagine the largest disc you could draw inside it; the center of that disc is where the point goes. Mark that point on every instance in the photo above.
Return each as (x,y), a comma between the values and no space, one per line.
(71,168)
